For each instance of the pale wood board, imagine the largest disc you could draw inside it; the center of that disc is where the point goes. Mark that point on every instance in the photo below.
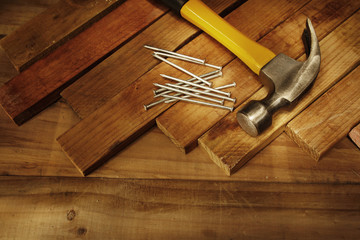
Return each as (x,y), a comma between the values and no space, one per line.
(37,87)
(184,123)
(354,135)
(165,209)
(329,119)
(51,28)
(132,61)
(230,147)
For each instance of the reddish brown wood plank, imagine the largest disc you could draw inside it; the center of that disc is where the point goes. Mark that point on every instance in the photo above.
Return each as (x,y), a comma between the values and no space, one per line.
(320,126)
(122,119)
(184,123)
(34,89)
(230,147)
(51,28)
(131,61)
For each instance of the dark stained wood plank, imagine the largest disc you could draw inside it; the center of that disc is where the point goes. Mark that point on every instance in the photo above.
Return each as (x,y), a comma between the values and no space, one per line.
(14,13)
(131,61)
(230,147)
(39,86)
(122,119)
(47,208)
(328,120)
(184,123)
(51,28)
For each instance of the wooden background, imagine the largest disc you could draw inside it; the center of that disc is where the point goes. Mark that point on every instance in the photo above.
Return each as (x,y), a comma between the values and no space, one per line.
(152,190)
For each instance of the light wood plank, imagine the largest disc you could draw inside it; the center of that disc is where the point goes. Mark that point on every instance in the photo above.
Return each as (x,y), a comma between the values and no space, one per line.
(230,147)
(39,86)
(131,61)
(53,208)
(354,135)
(52,28)
(329,119)
(184,123)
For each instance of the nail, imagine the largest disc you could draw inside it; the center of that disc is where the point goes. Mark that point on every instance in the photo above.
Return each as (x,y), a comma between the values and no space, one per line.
(175,54)
(177,57)
(226,86)
(188,93)
(206,76)
(199,102)
(213,66)
(199,92)
(195,85)
(220,87)
(182,69)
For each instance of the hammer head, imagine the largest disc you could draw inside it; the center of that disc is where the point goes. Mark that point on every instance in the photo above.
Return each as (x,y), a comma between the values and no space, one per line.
(286,79)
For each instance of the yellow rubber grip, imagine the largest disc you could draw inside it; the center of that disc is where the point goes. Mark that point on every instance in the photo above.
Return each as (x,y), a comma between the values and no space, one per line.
(254,55)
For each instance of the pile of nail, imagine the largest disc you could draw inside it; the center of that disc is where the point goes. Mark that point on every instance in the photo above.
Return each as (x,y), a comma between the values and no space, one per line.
(196,90)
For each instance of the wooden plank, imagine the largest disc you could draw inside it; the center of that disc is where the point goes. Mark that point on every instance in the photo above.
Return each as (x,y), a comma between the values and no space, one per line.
(119,121)
(49,208)
(329,119)
(51,28)
(14,13)
(230,147)
(106,80)
(354,135)
(185,123)
(39,86)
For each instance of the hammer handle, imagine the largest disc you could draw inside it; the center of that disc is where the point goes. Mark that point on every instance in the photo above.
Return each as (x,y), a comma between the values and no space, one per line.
(254,55)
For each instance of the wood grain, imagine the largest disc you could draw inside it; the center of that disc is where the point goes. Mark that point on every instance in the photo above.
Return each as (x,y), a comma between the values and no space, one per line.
(329,119)
(162,209)
(354,135)
(39,86)
(123,118)
(14,13)
(185,123)
(131,61)
(51,28)
(230,147)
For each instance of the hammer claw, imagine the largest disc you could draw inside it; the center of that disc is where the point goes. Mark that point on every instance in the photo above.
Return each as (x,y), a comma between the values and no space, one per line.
(288,79)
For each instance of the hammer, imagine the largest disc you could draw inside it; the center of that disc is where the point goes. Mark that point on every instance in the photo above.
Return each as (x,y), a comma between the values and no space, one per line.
(285,78)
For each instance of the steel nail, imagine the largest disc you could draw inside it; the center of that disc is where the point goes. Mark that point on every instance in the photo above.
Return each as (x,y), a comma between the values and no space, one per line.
(188,93)
(181,69)
(202,61)
(199,102)
(199,92)
(195,85)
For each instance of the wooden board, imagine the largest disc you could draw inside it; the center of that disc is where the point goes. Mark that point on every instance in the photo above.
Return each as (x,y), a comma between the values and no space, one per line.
(123,118)
(51,28)
(354,135)
(162,209)
(14,13)
(329,119)
(39,86)
(184,123)
(230,147)
(131,61)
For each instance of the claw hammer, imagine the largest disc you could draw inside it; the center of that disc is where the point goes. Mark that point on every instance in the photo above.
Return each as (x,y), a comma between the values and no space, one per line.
(286,78)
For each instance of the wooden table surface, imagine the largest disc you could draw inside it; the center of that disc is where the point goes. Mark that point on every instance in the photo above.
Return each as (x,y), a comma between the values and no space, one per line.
(151,190)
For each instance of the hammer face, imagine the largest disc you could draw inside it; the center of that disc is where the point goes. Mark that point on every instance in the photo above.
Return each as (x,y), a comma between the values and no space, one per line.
(286,80)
